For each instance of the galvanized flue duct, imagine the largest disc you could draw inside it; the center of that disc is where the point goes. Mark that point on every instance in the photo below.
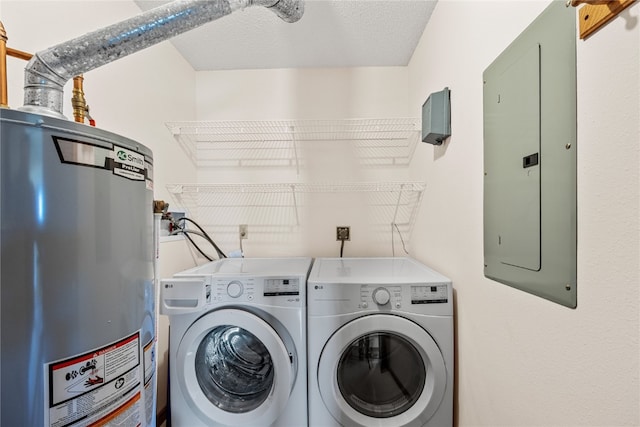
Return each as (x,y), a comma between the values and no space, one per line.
(49,70)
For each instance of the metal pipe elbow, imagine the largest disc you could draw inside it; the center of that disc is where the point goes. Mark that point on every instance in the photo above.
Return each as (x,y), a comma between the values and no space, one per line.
(288,10)
(49,70)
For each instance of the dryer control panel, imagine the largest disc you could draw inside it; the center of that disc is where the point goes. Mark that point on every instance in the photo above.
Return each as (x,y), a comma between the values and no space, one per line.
(434,298)
(430,294)
(391,296)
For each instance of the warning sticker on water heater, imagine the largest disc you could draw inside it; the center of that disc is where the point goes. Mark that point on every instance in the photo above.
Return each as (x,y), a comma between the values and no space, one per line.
(96,388)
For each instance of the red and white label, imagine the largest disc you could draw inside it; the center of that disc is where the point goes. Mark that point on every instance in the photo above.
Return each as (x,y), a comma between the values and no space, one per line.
(96,388)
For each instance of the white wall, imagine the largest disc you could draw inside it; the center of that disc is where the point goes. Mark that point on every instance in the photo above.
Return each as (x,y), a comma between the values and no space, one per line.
(133,97)
(309,94)
(522,360)
(328,93)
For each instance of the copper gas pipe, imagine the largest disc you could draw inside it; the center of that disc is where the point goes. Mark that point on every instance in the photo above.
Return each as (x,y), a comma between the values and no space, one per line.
(19,54)
(77,100)
(3,67)
(80,107)
(79,103)
(4,51)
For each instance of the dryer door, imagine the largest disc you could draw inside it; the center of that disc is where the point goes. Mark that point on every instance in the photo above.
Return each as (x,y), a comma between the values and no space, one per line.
(382,370)
(233,368)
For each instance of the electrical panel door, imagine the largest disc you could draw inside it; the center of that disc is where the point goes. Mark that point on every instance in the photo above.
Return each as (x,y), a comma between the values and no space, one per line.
(530,233)
(512,177)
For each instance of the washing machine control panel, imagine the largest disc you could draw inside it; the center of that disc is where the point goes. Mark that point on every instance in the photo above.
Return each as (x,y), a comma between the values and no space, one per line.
(230,290)
(380,296)
(235,288)
(267,290)
(281,286)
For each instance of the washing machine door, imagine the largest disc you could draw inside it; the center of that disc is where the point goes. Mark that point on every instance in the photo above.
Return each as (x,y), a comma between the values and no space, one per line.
(382,370)
(233,369)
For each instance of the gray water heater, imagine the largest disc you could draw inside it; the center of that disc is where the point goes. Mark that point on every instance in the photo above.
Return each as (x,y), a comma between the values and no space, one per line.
(77,323)
(436,117)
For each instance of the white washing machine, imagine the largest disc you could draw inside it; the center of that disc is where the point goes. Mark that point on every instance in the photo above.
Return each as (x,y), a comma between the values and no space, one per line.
(380,340)
(237,351)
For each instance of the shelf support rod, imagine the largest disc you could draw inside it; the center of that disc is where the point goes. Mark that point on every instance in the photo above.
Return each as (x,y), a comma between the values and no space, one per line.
(395,214)
(295,204)
(295,149)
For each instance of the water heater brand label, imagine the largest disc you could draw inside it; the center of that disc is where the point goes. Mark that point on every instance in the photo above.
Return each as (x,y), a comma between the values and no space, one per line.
(128,164)
(96,388)
(121,161)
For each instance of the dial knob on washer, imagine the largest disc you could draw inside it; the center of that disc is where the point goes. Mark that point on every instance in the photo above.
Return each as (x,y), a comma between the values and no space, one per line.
(381,296)
(235,289)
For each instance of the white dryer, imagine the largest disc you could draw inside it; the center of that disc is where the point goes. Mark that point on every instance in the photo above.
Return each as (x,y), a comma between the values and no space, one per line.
(237,351)
(380,340)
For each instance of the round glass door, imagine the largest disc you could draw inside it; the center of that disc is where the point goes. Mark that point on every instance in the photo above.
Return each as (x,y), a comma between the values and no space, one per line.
(381,375)
(382,370)
(234,368)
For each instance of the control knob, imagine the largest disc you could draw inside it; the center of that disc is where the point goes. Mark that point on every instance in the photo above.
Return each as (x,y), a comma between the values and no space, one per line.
(235,289)
(381,296)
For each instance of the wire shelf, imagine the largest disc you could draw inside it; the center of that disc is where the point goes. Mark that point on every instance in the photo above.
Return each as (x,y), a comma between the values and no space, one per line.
(281,143)
(277,213)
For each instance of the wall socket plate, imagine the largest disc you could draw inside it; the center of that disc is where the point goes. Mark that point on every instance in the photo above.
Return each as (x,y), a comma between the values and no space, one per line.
(243,230)
(343,233)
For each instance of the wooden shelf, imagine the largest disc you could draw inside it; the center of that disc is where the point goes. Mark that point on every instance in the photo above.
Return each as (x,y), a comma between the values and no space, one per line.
(592,17)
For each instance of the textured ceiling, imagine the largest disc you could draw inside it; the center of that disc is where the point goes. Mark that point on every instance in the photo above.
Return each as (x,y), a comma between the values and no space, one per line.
(338,33)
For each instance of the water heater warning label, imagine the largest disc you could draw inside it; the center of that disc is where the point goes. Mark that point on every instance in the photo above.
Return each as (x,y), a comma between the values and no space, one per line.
(97,388)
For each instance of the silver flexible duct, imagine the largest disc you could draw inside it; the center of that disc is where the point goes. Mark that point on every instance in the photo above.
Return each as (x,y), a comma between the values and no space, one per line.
(49,70)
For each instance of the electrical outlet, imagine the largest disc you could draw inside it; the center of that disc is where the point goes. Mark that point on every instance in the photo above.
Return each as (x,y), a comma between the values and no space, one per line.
(243,229)
(343,233)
